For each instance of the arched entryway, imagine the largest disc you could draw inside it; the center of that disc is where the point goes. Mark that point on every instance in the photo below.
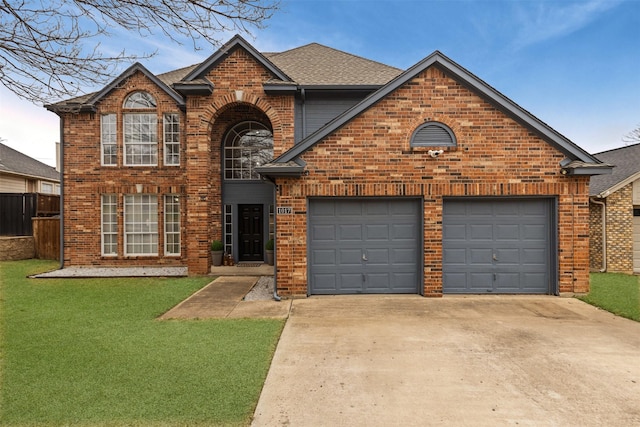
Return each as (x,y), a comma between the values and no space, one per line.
(247,200)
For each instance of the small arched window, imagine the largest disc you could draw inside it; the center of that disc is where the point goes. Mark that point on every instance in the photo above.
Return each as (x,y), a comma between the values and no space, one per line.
(247,145)
(140,100)
(433,134)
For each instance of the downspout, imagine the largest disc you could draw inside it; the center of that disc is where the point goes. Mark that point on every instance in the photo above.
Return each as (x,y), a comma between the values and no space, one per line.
(61,165)
(604,232)
(276,297)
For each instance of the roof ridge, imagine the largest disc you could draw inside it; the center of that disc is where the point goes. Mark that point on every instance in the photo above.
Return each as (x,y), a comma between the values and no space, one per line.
(353,55)
(617,148)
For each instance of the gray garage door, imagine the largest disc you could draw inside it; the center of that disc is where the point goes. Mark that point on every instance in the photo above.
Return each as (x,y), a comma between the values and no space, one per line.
(497,246)
(363,246)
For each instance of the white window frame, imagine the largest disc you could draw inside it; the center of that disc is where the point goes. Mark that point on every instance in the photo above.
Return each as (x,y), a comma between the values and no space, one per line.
(108,138)
(172,224)
(171,138)
(109,224)
(140,224)
(46,187)
(140,133)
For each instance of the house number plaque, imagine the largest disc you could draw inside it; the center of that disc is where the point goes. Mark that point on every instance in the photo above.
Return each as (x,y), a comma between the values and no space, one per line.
(284,210)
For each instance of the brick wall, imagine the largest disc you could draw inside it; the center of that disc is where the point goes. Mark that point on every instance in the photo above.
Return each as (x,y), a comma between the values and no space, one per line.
(595,236)
(620,230)
(495,156)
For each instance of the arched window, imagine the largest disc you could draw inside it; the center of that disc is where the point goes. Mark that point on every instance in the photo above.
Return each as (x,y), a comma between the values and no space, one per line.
(433,134)
(140,131)
(247,145)
(140,100)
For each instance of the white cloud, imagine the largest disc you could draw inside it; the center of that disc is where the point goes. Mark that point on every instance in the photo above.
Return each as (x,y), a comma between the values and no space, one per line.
(542,21)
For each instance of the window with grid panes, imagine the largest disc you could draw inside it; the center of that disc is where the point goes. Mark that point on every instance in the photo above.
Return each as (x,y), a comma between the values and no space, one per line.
(172,224)
(171,139)
(141,224)
(109,218)
(108,139)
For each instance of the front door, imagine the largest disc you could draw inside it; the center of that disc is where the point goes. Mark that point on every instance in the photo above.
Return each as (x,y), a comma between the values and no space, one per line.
(250,227)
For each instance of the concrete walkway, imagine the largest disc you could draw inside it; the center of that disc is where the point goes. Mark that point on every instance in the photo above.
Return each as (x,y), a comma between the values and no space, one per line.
(463,361)
(222,299)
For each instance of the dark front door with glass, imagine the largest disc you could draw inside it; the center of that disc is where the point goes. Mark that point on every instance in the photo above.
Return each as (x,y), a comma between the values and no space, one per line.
(250,232)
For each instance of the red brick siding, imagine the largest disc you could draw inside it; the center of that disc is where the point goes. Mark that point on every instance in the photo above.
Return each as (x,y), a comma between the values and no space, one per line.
(197,179)
(495,156)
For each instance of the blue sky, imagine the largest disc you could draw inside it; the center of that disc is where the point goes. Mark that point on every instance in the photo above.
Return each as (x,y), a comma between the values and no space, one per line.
(573,64)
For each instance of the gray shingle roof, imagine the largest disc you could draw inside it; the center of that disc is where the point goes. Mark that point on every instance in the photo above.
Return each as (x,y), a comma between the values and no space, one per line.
(627,164)
(318,65)
(15,162)
(309,65)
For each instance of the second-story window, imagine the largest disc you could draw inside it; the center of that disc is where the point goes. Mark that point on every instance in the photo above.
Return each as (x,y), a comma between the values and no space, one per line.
(108,139)
(171,139)
(140,130)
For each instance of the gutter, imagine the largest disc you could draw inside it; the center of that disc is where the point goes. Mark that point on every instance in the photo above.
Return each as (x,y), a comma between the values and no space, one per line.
(604,232)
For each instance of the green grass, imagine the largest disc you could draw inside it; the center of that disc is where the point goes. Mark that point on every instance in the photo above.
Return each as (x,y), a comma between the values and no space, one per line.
(617,293)
(86,352)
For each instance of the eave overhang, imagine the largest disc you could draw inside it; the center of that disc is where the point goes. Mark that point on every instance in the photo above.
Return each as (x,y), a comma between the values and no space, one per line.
(577,167)
(292,169)
(199,87)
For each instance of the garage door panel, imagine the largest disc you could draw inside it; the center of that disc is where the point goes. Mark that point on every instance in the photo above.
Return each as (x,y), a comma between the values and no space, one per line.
(350,257)
(453,232)
(323,257)
(377,245)
(480,232)
(507,232)
(377,232)
(350,232)
(323,233)
(454,256)
(506,247)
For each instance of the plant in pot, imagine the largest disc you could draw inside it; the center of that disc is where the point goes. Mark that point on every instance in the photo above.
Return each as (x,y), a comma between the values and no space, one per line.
(268,250)
(216,252)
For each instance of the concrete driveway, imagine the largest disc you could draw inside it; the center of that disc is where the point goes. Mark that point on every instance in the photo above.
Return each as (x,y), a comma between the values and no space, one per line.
(486,360)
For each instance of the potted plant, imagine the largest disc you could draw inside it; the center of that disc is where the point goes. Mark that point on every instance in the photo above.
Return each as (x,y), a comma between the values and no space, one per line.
(269,251)
(216,252)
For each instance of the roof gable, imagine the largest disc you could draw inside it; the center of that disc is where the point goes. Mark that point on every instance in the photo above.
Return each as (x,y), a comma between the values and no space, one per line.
(137,67)
(466,78)
(626,170)
(14,162)
(236,42)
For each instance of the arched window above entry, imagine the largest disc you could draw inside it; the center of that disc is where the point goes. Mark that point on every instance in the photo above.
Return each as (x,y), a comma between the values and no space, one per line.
(433,134)
(140,100)
(247,145)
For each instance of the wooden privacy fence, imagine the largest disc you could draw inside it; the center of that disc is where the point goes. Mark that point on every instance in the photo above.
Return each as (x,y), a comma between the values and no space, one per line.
(17,209)
(46,235)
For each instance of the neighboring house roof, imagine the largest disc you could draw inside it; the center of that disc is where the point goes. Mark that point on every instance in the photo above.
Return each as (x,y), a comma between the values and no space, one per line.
(626,170)
(586,164)
(15,163)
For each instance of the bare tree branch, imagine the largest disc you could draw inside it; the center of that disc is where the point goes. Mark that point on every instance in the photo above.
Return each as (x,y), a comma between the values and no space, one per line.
(52,49)
(632,137)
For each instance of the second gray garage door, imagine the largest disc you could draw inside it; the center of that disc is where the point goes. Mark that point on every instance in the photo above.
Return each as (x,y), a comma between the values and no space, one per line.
(368,246)
(498,246)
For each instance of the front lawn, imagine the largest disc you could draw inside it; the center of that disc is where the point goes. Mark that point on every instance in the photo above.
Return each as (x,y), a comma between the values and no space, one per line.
(90,352)
(615,292)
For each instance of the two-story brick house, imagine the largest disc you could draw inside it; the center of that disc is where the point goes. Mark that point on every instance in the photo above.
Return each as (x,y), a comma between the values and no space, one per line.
(370,179)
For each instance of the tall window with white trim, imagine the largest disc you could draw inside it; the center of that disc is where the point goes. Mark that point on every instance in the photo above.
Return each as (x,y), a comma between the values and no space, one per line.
(109,226)
(172,224)
(140,131)
(108,139)
(140,224)
(172,139)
